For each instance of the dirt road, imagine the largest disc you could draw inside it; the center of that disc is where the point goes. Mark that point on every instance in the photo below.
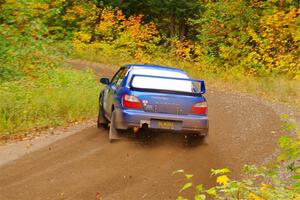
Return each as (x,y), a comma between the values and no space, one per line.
(84,165)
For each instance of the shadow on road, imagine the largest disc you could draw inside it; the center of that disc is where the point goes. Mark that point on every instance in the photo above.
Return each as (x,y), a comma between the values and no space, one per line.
(156,138)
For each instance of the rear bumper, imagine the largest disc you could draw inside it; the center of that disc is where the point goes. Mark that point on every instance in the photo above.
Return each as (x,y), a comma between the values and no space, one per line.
(128,118)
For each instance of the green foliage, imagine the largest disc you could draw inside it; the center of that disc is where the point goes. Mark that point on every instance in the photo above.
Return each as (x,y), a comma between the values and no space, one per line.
(257,38)
(252,37)
(37,90)
(58,97)
(23,46)
(277,180)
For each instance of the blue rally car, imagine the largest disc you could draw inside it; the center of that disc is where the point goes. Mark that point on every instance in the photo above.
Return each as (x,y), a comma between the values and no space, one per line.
(155,97)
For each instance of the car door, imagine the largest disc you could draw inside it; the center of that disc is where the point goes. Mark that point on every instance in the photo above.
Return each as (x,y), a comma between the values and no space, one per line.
(112,91)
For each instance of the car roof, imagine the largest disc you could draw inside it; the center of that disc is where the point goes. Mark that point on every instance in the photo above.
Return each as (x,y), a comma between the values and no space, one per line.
(159,67)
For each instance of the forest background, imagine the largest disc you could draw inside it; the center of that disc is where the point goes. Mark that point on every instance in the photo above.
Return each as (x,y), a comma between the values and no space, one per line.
(240,45)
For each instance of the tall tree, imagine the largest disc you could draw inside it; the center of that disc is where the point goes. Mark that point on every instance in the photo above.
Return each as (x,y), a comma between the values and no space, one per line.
(177,13)
(171,16)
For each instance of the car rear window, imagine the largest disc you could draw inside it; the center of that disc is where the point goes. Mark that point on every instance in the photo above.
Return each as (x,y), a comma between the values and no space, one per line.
(158,83)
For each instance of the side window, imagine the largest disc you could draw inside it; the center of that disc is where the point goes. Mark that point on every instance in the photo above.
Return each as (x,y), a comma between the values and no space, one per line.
(116,76)
(121,77)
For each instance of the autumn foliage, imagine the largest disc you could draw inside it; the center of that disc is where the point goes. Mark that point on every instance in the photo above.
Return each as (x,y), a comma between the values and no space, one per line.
(256,38)
(119,31)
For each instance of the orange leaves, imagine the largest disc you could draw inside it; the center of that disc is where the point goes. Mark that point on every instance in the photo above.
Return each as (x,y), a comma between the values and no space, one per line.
(129,32)
(74,12)
(108,16)
(140,33)
(120,15)
(82,36)
(40,6)
(184,49)
(112,28)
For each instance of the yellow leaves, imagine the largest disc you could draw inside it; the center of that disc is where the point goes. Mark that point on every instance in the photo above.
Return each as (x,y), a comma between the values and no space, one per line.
(276,43)
(254,35)
(223,180)
(74,12)
(120,15)
(77,9)
(40,6)
(297,77)
(220,171)
(10,1)
(226,52)
(264,189)
(132,32)
(253,196)
(184,49)
(82,37)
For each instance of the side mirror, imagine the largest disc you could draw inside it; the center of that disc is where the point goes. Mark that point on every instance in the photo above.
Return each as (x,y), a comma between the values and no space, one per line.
(104,81)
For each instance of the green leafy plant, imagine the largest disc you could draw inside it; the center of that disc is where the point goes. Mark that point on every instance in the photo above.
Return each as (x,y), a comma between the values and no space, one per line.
(277,180)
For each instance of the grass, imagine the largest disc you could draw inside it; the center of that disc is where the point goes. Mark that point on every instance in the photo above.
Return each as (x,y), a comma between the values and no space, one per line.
(67,96)
(37,89)
(280,89)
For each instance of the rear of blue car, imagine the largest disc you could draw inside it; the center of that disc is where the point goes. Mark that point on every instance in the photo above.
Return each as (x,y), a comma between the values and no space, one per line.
(159,98)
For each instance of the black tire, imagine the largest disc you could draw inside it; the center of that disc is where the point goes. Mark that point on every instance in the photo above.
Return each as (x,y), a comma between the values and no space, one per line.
(102,122)
(191,138)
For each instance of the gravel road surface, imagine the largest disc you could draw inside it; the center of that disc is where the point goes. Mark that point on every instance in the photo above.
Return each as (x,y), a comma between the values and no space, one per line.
(85,165)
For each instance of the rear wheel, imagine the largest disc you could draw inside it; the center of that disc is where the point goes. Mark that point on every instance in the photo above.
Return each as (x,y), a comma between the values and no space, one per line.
(196,138)
(102,122)
(191,138)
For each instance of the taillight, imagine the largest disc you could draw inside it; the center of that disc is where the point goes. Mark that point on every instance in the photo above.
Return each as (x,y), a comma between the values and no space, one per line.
(199,108)
(130,101)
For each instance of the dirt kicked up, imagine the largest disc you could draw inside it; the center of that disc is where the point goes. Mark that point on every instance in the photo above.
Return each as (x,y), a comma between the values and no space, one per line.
(85,165)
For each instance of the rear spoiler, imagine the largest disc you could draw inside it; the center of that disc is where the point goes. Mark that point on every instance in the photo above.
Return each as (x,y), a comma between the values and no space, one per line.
(202,88)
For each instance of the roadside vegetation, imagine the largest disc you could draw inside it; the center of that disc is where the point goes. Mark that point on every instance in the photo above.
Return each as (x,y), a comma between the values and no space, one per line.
(37,89)
(277,180)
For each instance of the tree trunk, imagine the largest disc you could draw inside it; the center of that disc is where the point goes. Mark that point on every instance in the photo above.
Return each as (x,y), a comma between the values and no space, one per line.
(183,30)
(172,26)
(281,5)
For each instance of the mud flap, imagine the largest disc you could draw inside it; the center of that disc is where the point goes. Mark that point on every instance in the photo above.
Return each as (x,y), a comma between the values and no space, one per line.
(113,132)
(205,139)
